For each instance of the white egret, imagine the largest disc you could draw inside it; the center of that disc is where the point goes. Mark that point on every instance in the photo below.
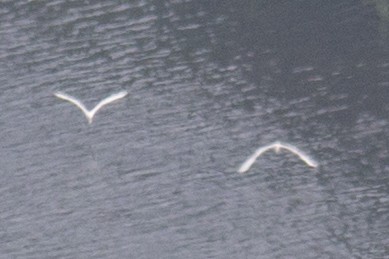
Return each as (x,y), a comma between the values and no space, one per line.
(276,146)
(90,113)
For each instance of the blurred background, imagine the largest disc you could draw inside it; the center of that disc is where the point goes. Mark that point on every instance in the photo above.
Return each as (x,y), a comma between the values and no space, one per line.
(155,175)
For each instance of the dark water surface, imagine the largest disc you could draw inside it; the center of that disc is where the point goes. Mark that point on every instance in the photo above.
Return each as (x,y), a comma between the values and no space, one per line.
(155,175)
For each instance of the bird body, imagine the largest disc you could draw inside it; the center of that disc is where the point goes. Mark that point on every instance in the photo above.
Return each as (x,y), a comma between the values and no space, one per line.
(89,114)
(277,146)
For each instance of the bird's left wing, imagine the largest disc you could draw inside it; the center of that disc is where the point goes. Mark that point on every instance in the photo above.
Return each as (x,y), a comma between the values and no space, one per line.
(250,161)
(72,100)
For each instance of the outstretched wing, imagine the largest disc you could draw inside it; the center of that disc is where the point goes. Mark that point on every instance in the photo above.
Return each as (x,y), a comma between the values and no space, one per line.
(250,161)
(73,100)
(309,161)
(108,100)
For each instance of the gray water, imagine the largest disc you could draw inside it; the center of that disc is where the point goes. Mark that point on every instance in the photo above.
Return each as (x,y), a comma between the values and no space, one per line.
(155,175)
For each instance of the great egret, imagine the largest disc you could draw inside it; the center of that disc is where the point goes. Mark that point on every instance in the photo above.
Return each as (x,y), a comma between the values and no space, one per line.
(276,146)
(90,113)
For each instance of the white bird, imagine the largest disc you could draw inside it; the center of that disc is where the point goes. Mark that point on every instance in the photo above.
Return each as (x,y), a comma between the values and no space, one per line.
(90,113)
(276,146)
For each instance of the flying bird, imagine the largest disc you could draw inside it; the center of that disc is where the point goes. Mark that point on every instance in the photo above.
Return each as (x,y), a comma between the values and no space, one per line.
(277,146)
(89,114)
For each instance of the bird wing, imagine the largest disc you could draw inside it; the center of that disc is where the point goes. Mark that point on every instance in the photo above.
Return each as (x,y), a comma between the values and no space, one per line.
(107,100)
(73,100)
(250,161)
(309,161)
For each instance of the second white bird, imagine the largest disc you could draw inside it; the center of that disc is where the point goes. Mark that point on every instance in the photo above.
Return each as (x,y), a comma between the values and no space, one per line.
(89,114)
(276,146)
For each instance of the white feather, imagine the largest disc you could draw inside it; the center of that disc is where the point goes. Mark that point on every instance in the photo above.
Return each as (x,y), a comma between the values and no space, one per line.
(89,114)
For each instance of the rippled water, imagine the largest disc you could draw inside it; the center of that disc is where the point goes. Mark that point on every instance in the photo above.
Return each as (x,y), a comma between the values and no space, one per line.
(155,175)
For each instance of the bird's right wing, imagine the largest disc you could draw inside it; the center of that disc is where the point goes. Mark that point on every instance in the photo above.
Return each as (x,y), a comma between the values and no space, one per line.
(72,100)
(107,100)
(308,160)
